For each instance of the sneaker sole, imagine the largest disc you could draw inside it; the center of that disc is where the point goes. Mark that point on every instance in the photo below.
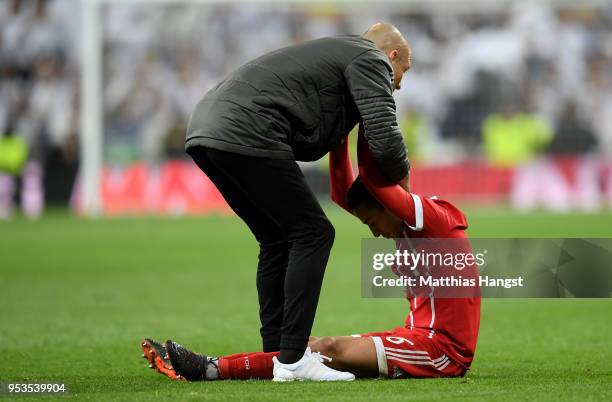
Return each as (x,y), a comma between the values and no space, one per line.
(283,379)
(307,380)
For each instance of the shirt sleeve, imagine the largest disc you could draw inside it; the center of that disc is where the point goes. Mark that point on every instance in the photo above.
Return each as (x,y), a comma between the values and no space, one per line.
(341,175)
(429,216)
(370,80)
(404,205)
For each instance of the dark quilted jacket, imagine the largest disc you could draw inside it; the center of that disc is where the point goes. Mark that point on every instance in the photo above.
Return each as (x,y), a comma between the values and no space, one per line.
(300,102)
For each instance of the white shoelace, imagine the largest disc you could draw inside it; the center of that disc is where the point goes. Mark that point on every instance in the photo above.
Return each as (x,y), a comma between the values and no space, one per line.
(319,357)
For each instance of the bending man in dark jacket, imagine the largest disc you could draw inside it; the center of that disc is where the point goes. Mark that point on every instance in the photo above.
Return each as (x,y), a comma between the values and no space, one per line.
(246,134)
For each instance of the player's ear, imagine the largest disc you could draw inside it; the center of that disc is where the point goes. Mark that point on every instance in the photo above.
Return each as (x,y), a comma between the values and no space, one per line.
(393,54)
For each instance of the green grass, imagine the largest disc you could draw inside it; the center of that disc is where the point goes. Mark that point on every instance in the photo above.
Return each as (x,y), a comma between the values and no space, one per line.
(78,295)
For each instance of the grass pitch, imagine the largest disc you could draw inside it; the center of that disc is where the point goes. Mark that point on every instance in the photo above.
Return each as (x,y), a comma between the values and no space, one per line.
(78,295)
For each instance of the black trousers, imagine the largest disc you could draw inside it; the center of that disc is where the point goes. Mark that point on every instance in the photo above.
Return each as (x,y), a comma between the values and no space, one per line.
(295,238)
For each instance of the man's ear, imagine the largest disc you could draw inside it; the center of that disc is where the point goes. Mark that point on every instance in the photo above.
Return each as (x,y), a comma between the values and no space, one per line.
(393,54)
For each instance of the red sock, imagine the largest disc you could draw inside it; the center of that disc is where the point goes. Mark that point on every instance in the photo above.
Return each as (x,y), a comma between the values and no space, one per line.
(243,366)
(235,356)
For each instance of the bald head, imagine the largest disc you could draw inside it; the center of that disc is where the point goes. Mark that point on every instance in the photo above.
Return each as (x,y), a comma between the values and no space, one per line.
(390,41)
(386,37)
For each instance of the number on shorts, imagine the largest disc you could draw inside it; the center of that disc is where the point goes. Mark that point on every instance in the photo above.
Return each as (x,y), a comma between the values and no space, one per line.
(397,340)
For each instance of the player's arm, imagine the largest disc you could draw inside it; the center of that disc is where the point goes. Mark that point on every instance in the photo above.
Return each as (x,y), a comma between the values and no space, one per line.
(401,203)
(437,217)
(369,79)
(341,175)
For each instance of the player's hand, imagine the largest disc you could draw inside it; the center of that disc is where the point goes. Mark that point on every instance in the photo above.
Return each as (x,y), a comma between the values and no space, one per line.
(405,182)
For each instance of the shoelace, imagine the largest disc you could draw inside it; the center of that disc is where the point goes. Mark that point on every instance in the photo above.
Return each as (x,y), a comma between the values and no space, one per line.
(319,357)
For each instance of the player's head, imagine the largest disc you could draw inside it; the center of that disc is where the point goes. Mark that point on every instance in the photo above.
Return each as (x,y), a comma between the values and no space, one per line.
(364,206)
(390,40)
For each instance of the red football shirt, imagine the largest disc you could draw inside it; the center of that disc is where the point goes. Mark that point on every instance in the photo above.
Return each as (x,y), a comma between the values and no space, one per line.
(450,322)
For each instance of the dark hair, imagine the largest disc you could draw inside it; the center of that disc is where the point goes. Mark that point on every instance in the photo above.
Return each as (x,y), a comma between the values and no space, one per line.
(358,194)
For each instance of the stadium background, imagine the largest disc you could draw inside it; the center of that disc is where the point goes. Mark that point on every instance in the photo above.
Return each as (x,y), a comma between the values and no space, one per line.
(507,111)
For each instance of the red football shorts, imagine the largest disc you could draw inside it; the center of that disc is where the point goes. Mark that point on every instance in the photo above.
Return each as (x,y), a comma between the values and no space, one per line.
(405,353)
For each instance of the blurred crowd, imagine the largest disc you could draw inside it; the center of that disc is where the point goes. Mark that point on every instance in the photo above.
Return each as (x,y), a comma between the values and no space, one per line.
(527,59)
(39,62)
(478,76)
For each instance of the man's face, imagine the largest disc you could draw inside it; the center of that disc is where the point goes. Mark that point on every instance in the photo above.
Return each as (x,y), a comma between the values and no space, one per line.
(380,221)
(400,62)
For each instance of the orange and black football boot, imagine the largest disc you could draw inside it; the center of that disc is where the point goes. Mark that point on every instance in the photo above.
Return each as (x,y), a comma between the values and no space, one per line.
(158,358)
(189,365)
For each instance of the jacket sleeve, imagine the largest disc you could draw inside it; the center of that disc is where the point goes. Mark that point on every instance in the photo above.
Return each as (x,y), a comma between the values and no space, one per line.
(341,175)
(369,78)
(429,216)
(404,205)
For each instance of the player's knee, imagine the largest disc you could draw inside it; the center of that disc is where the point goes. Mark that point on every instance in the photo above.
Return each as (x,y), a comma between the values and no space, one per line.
(327,346)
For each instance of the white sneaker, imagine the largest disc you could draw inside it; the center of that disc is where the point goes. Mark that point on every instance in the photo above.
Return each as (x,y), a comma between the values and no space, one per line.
(309,367)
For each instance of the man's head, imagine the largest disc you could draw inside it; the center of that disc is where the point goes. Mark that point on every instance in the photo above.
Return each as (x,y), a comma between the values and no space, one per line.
(364,206)
(391,42)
